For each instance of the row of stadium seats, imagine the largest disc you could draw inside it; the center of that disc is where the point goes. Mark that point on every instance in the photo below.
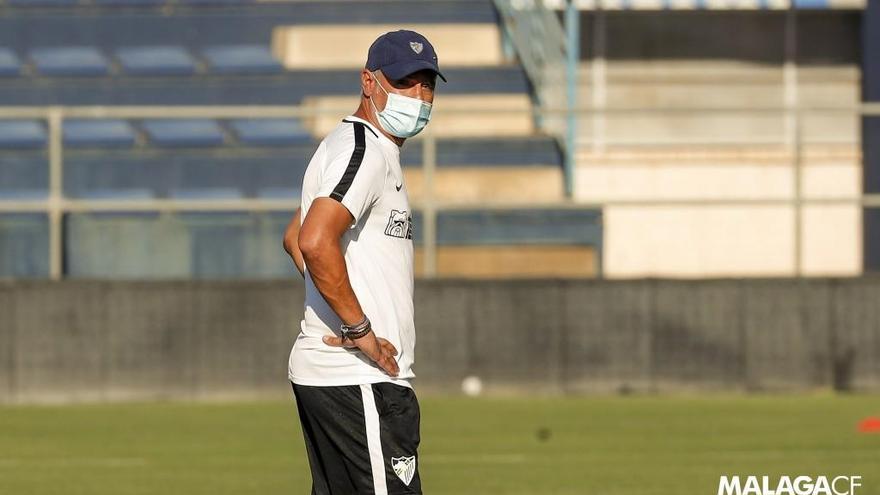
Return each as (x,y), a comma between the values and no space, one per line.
(167,133)
(127,3)
(163,60)
(558,4)
(271,132)
(250,23)
(285,88)
(475,169)
(335,7)
(211,245)
(273,53)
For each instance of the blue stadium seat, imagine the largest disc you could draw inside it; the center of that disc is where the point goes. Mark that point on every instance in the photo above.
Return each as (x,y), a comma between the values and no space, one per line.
(23,194)
(501,151)
(207,193)
(131,193)
(24,175)
(275,174)
(22,134)
(811,4)
(280,193)
(98,133)
(70,61)
(509,227)
(10,65)
(241,59)
(270,132)
(24,245)
(156,60)
(115,173)
(42,3)
(184,132)
(130,3)
(204,245)
(215,2)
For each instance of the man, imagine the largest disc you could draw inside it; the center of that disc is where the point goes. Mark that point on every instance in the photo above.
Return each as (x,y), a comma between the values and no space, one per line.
(351,365)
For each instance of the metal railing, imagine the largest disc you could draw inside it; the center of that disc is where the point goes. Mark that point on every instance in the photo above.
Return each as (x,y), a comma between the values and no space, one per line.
(56,205)
(549,53)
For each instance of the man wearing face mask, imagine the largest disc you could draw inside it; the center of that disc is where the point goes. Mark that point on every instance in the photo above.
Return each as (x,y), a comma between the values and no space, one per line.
(351,365)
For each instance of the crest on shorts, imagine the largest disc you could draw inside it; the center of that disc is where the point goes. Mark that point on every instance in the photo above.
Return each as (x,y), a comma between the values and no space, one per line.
(404,468)
(416,46)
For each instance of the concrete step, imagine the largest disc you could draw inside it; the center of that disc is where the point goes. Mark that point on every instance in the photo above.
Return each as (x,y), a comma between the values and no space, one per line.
(622,174)
(734,87)
(714,71)
(475,185)
(718,84)
(719,127)
(486,115)
(486,262)
(303,47)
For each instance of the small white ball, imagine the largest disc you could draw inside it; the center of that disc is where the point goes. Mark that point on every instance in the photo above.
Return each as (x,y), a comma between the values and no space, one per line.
(472,386)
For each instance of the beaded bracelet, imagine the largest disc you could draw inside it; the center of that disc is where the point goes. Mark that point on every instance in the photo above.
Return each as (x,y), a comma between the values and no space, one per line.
(356,331)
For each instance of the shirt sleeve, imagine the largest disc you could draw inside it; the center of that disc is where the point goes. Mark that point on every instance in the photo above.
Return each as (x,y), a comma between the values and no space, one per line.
(354,176)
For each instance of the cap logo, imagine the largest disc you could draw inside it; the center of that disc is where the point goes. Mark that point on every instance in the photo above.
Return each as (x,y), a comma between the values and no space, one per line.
(416,46)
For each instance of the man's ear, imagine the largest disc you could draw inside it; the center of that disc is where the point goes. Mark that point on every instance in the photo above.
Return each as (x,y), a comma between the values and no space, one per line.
(367,83)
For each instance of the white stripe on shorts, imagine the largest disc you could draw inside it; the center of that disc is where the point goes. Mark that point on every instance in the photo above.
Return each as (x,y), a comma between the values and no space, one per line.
(374,443)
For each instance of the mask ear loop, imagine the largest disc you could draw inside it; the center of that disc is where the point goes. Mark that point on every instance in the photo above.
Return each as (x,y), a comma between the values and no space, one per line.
(378,84)
(372,103)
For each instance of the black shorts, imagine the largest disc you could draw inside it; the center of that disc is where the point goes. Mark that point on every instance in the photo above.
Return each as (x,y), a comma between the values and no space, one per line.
(361,439)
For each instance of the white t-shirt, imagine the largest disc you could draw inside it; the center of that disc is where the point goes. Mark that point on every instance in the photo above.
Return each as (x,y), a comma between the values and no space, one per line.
(360,167)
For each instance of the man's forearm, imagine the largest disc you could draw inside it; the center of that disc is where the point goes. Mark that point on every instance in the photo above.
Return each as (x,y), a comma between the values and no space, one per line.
(328,271)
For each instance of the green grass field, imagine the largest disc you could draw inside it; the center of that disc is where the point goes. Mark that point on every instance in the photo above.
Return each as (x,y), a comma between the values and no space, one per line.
(615,446)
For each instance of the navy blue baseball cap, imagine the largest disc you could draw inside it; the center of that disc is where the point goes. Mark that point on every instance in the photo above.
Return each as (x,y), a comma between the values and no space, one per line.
(400,53)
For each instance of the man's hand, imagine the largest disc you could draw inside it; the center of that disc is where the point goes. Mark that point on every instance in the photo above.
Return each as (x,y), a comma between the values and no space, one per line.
(379,350)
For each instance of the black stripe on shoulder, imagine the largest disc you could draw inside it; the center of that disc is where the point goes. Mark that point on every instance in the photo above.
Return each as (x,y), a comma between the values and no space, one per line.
(354,163)
(365,126)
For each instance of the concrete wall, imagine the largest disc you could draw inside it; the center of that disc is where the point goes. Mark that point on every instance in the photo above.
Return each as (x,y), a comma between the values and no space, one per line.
(144,340)
(676,61)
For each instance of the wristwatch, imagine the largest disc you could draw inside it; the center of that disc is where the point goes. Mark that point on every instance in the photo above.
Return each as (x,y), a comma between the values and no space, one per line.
(357,330)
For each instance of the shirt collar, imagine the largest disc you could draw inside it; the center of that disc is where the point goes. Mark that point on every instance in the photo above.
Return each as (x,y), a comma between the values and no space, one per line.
(382,137)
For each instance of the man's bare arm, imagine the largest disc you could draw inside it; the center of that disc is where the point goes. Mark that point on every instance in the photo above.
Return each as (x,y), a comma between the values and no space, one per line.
(291,241)
(319,242)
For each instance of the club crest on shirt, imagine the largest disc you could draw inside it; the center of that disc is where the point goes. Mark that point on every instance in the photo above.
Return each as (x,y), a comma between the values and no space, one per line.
(404,468)
(399,225)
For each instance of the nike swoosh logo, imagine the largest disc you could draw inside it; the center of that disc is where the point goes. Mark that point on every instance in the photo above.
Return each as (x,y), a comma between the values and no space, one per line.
(399,186)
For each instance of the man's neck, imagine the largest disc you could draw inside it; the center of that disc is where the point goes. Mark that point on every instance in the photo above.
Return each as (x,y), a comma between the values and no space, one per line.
(364,113)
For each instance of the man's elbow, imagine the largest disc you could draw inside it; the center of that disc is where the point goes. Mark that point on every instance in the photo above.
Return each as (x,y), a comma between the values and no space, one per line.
(289,242)
(311,245)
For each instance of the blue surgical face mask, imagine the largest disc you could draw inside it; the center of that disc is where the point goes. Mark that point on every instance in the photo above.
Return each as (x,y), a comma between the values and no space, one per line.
(403,116)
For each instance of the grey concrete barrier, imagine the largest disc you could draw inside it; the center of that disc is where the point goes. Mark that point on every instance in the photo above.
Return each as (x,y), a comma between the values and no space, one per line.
(855,339)
(138,340)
